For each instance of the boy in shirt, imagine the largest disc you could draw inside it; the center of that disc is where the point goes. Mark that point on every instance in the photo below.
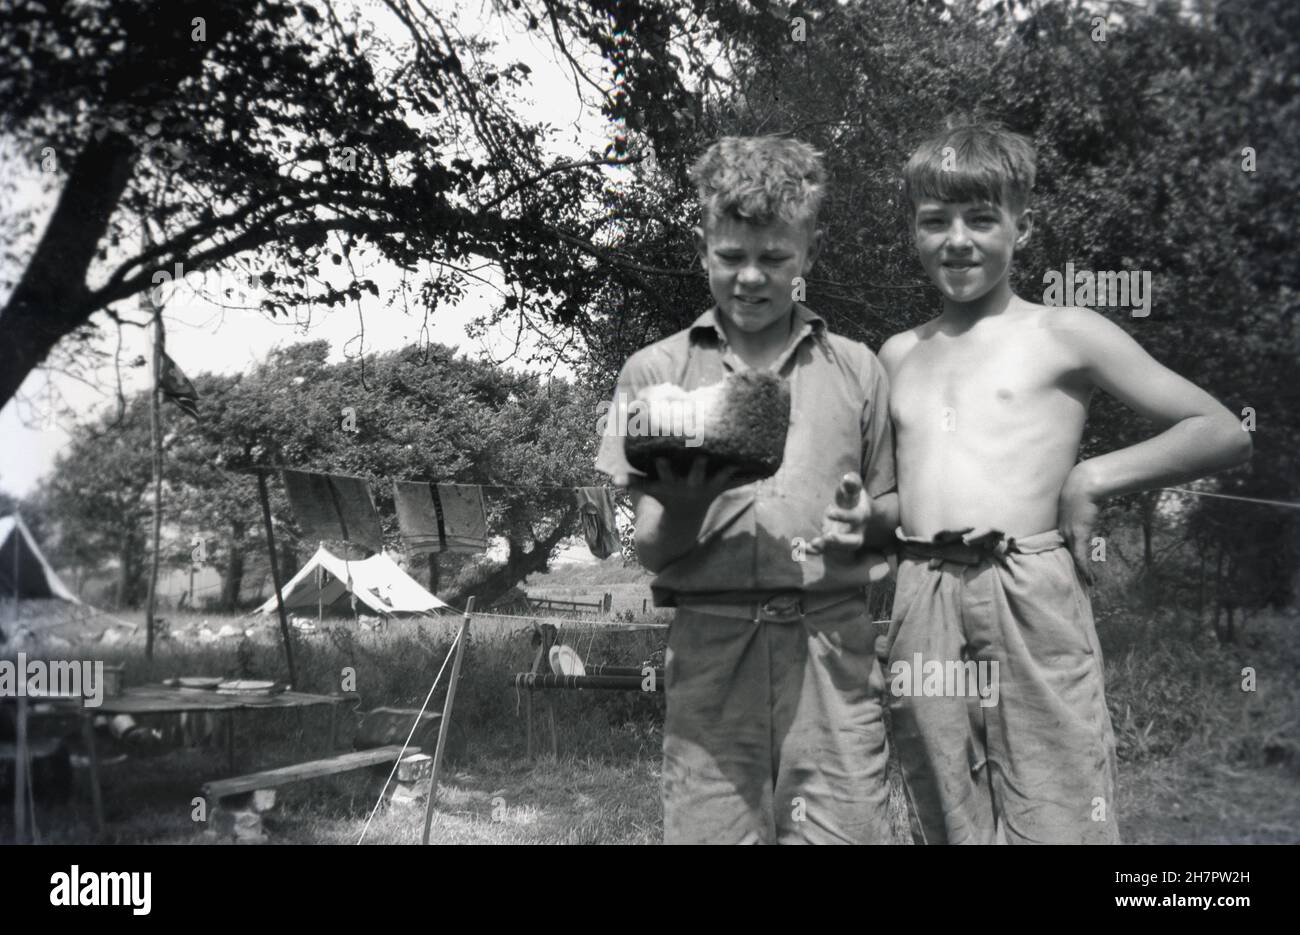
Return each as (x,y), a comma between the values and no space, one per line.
(988,404)
(774,729)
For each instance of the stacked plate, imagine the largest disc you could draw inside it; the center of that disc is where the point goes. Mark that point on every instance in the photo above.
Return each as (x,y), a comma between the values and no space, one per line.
(198,683)
(249,687)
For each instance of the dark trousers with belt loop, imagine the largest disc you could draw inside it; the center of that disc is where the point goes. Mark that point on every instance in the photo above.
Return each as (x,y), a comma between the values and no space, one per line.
(775,728)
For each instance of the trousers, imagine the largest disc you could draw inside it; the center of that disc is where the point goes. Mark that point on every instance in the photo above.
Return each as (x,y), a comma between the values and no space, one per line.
(1038,764)
(774,730)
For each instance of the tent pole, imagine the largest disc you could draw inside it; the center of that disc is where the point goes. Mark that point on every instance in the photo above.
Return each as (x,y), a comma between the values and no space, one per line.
(20,740)
(275,577)
(155,434)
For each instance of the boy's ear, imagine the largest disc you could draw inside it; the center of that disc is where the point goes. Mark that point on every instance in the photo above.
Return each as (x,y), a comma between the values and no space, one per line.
(702,247)
(814,250)
(1024,228)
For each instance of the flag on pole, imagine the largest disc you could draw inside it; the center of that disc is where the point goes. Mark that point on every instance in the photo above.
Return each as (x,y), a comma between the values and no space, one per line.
(177,387)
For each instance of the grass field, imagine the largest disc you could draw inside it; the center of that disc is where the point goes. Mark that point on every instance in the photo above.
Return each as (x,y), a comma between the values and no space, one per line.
(1201,760)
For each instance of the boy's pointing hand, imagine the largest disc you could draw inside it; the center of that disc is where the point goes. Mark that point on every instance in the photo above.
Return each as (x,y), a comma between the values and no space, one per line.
(845,521)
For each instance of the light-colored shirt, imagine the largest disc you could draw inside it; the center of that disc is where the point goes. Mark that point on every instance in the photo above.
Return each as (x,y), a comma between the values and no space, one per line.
(751,540)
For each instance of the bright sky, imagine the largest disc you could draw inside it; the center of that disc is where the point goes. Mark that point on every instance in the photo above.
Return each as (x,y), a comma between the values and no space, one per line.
(202,336)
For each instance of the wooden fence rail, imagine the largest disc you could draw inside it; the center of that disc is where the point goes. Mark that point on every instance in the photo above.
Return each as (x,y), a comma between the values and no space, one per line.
(540,604)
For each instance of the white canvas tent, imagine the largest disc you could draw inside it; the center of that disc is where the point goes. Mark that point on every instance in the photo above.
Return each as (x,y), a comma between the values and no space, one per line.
(36,579)
(48,610)
(378,583)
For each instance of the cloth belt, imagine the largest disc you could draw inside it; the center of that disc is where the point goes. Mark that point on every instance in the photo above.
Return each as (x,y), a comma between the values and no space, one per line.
(783,606)
(960,546)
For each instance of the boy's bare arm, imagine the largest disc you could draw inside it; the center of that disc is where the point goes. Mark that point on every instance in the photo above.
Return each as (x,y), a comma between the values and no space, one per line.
(1199,437)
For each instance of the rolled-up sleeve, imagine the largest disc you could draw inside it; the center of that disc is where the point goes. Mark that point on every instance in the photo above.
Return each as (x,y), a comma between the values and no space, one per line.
(877,432)
(638,373)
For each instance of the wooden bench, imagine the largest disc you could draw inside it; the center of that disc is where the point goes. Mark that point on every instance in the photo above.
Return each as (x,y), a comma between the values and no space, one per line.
(221,789)
(238,802)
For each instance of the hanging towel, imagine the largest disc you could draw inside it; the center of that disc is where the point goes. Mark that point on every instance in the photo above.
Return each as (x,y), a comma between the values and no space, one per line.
(464,517)
(334,506)
(419,516)
(596,512)
(440,517)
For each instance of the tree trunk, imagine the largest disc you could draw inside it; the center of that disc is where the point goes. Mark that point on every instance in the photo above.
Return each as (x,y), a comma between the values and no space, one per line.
(233,581)
(120,592)
(1148,520)
(130,582)
(1227,633)
(1218,594)
(1200,591)
(52,300)
(434,575)
(519,564)
(1230,602)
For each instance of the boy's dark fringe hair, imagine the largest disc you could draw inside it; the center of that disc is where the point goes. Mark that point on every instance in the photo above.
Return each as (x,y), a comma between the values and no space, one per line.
(972,160)
(760,179)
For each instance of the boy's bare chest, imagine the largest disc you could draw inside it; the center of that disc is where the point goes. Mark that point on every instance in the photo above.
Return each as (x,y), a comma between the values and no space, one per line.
(995,382)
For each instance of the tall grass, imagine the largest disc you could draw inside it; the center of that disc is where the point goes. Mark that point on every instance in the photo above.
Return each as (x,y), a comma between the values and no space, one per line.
(1173,693)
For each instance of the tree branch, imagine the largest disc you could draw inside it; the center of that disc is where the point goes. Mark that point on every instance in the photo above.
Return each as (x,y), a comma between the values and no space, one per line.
(562,167)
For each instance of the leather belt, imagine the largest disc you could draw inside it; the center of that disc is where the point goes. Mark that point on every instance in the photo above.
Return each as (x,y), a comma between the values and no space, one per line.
(781,607)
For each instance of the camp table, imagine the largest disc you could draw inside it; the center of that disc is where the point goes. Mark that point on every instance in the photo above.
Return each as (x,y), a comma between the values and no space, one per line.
(163,699)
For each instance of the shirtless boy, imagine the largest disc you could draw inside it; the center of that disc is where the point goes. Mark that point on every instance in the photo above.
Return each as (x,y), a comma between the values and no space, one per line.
(989,401)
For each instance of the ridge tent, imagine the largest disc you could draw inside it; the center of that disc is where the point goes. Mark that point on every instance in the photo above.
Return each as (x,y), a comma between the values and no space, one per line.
(35,576)
(377,582)
(48,610)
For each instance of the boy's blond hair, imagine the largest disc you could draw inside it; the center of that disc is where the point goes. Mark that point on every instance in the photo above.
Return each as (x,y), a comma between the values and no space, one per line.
(972,162)
(760,179)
